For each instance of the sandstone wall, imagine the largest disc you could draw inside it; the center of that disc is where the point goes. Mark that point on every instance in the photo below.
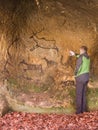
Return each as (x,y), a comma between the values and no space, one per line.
(36,36)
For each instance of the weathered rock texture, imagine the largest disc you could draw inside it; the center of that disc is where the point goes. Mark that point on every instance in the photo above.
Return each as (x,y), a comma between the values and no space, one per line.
(35,39)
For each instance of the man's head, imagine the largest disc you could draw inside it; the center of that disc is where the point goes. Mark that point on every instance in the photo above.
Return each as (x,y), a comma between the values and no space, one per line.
(83,49)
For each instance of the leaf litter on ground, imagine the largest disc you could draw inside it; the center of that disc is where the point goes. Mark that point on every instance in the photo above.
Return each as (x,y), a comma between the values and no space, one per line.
(32,121)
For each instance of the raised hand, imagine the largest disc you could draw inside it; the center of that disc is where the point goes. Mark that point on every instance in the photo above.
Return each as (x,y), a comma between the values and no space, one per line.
(72,53)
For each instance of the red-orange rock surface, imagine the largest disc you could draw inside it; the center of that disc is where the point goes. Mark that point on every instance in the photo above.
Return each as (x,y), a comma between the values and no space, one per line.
(35,39)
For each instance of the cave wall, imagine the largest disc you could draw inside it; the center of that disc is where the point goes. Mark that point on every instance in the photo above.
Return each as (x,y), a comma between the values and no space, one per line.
(36,39)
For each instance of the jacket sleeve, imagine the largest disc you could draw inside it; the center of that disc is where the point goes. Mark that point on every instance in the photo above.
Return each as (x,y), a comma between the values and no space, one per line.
(77,55)
(78,64)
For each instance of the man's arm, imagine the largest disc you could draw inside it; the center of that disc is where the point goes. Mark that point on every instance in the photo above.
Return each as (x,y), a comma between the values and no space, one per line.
(72,53)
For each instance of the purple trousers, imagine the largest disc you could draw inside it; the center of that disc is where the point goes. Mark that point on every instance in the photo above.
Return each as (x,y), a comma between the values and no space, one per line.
(81,88)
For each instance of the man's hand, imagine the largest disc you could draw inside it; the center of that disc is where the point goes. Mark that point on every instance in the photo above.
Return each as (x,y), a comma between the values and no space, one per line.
(72,53)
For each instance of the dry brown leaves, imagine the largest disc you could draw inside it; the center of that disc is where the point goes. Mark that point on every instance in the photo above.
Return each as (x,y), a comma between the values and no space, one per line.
(27,121)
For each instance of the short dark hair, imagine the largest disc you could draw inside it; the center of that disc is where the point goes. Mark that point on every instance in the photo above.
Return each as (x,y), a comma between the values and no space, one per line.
(84,48)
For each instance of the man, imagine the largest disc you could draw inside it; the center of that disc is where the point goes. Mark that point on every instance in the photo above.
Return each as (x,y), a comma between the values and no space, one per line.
(82,78)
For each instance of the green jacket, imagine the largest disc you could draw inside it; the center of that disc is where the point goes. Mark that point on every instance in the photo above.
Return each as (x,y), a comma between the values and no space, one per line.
(82,65)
